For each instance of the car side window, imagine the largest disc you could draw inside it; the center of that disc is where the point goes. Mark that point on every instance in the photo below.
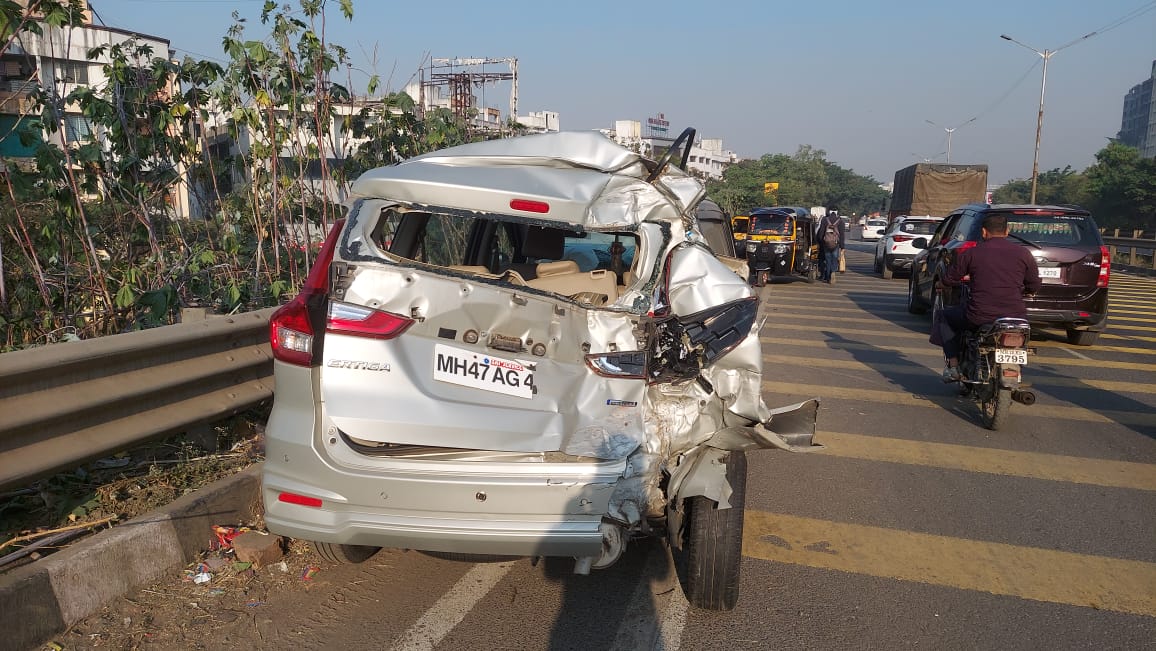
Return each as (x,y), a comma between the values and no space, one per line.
(962,228)
(941,234)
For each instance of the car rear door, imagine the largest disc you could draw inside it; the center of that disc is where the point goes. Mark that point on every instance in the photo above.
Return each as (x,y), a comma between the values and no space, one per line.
(482,362)
(1066,247)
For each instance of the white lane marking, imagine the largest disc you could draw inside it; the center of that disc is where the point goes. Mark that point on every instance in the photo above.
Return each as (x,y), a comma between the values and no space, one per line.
(673,622)
(641,625)
(656,613)
(1076,354)
(452,608)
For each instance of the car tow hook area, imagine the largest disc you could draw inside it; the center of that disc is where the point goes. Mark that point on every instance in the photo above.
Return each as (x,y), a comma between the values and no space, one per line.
(613,545)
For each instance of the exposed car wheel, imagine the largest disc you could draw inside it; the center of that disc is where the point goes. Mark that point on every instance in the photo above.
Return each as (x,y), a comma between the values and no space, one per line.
(715,543)
(344,554)
(1082,337)
(878,265)
(915,305)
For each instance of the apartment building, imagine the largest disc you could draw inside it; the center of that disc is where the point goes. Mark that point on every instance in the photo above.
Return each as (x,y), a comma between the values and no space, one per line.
(56,61)
(1138,122)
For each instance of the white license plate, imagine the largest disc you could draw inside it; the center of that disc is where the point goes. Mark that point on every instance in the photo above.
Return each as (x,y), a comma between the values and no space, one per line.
(485,372)
(1049,272)
(1011,356)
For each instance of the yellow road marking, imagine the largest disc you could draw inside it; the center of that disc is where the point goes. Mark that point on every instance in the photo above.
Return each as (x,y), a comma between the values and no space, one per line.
(777,308)
(1109,335)
(1112,311)
(923,322)
(1040,383)
(1034,465)
(1051,576)
(900,397)
(934,352)
(902,334)
(1112,325)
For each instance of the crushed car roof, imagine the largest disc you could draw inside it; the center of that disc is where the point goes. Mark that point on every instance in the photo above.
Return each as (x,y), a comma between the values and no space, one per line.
(583,179)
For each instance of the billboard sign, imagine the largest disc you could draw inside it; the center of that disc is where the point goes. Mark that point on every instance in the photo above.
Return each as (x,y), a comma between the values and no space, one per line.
(658,123)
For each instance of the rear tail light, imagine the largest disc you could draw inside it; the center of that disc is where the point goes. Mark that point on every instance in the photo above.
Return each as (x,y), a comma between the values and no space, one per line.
(902,238)
(291,331)
(361,321)
(969,244)
(1011,339)
(1105,266)
(625,365)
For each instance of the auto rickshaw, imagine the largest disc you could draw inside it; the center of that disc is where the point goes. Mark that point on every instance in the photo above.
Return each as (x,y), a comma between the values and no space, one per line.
(739,232)
(780,242)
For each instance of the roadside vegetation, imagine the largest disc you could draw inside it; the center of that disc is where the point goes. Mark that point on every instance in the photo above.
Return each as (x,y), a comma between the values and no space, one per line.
(1119,189)
(88,246)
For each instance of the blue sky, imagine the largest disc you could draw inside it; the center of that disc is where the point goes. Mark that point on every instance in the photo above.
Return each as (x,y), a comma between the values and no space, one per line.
(858,79)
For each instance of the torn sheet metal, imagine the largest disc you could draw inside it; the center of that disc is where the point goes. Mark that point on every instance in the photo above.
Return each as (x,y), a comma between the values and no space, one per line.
(676,430)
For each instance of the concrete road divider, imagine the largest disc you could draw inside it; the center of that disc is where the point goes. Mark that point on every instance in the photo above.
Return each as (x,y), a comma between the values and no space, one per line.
(46,597)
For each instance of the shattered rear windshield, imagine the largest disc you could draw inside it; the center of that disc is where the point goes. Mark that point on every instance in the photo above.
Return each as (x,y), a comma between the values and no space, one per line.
(588,267)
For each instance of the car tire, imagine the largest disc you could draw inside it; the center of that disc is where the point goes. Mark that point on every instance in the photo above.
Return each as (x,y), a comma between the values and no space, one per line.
(915,304)
(1082,337)
(345,554)
(886,270)
(715,543)
(878,265)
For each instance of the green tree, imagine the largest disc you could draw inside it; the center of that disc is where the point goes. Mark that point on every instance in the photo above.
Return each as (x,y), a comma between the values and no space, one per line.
(806,178)
(1122,188)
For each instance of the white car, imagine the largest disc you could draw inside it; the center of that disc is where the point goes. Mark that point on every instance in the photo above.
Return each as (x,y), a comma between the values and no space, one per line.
(873,229)
(894,251)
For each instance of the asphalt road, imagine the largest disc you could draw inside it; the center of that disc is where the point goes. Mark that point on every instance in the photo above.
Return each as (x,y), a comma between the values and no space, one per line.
(915,527)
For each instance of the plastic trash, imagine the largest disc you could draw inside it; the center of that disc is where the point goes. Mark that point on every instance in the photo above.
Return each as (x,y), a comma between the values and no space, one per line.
(202,577)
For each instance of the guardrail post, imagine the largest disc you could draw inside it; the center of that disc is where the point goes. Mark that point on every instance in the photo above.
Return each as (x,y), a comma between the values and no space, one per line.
(1132,256)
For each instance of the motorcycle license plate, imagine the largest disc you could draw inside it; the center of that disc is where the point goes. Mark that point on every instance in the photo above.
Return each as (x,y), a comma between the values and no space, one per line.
(1011,356)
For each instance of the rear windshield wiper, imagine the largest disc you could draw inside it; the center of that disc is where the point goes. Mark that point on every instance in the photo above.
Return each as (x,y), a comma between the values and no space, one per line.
(1028,242)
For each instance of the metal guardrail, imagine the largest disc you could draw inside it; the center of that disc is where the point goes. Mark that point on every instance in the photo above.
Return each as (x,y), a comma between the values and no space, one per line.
(65,404)
(1141,253)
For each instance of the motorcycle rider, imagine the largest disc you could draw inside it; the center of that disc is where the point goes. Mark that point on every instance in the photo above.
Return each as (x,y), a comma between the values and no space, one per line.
(999,273)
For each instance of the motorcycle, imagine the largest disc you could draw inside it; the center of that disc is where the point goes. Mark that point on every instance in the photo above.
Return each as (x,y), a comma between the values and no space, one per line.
(991,363)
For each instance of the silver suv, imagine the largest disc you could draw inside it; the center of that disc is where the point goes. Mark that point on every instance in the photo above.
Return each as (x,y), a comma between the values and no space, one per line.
(523,347)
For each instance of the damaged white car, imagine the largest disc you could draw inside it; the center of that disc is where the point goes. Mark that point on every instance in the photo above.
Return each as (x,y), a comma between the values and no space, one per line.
(524,347)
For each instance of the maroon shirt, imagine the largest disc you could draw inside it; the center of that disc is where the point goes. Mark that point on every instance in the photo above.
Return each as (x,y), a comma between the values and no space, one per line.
(1001,273)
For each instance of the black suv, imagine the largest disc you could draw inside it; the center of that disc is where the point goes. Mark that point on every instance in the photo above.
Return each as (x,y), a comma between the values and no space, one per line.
(1073,261)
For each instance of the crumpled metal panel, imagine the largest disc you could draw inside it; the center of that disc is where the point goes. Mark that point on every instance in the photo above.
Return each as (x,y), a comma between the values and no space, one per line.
(568,148)
(568,171)
(674,428)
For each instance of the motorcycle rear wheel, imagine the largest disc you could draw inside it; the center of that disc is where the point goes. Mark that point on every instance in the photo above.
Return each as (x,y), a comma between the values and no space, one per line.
(994,403)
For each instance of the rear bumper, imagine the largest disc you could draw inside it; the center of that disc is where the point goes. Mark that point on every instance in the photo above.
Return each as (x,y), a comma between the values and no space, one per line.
(1087,313)
(1074,319)
(500,507)
(898,261)
(467,533)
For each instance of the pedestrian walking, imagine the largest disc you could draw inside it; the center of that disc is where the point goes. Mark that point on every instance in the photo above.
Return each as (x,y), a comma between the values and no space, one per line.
(832,239)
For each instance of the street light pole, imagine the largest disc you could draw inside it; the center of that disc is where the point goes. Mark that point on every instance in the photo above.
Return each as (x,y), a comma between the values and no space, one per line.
(1046,55)
(951,131)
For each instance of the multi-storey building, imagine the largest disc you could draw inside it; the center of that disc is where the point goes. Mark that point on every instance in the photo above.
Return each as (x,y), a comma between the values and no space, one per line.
(1138,123)
(707,157)
(57,62)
